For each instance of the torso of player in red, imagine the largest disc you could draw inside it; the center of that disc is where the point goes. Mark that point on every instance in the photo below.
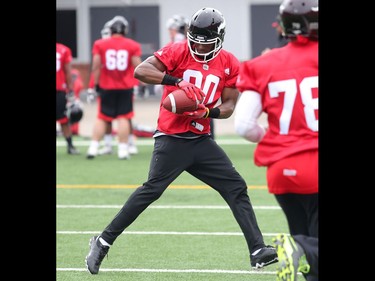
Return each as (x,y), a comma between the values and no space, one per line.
(115,54)
(287,80)
(211,78)
(63,56)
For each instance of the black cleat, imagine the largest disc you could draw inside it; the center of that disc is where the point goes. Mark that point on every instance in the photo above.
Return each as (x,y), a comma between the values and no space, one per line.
(73,151)
(265,256)
(96,255)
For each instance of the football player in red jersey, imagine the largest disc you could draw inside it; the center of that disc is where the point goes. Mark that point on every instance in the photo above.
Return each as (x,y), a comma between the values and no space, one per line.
(207,72)
(114,60)
(109,132)
(283,83)
(77,88)
(64,85)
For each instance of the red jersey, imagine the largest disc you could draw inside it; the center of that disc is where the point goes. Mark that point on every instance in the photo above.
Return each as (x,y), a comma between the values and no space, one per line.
(63,57)
(287,80)
(115,54)
(211,78)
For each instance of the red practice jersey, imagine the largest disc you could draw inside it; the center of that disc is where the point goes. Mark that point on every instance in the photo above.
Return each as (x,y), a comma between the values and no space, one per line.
(115,55)
(211,78)
(287,80)
(63,56)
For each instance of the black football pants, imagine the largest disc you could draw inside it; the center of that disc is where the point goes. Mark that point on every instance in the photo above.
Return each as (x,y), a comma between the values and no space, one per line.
(204,159)
(301,211)
(311,247)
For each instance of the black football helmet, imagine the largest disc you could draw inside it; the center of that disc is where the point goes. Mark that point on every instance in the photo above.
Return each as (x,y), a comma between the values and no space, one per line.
(299,17)
(74,111)
(207,26)
(119,25)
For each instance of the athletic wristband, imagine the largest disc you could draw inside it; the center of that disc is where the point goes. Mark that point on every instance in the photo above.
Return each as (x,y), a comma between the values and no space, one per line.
(207,112)
(170,80)
(213,113)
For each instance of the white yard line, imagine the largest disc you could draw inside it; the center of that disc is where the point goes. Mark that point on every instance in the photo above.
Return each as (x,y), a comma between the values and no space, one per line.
(150,141)
(188,233)
(172,270)
(214,207)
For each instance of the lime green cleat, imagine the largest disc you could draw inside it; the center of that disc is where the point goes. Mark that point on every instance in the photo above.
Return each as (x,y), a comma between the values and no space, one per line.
(292,258)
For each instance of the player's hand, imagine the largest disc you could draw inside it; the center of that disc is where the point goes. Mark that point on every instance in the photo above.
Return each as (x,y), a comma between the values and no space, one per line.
(201,112)
(192,91)
(70,96)
(91,95)
(97,88)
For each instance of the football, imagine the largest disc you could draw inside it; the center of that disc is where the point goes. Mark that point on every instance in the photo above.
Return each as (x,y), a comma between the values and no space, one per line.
(177,102)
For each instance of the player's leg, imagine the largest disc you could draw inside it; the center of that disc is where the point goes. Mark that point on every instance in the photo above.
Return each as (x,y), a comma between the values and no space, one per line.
(133,149)
(213,167)
(294,212)
(63,120)
(106,113)
(167,163)
(124,112)
(310,246)
(294,182)
(108,140)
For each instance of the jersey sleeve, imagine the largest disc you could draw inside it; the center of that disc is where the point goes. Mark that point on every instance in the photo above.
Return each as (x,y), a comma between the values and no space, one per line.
(167,55)
(246,79)
(232,72)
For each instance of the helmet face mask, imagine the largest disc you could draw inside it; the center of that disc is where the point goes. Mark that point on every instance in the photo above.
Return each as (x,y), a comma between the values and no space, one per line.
(207,26)
(299,17)
(105,32)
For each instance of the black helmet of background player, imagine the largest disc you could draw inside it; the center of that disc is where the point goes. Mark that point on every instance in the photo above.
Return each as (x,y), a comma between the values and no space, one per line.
(207,26)
(119,25)
(179,23)
(74,112)
(299,17)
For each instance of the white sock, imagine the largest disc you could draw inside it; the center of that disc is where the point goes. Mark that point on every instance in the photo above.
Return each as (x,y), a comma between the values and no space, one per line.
(104,243)
(94,144)
(108,140)
(131,139)
(122,146)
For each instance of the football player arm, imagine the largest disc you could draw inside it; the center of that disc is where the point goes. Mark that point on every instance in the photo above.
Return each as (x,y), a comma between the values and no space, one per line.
(229,98)
(150,71)
(136,60)
(95,69)
(68,76)
(248,110)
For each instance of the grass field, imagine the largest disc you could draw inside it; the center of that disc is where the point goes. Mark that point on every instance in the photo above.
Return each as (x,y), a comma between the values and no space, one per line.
(188,234)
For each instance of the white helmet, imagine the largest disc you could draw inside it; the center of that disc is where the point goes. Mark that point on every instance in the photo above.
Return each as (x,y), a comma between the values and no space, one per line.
(177,22)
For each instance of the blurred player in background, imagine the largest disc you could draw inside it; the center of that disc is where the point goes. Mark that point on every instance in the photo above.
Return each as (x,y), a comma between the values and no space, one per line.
(114,59)
(64,85)
(109,132)
(77,88)
(281,39)
(177,27)
(284,84)
(183,141)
